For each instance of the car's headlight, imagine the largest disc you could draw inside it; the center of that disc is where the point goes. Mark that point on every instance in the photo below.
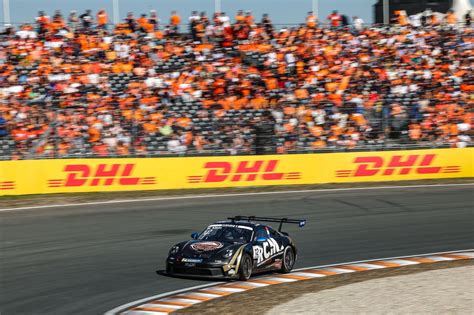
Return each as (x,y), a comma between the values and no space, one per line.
(228,253)
(174,250)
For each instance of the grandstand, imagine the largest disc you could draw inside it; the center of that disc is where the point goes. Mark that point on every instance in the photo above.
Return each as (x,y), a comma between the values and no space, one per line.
(80,87)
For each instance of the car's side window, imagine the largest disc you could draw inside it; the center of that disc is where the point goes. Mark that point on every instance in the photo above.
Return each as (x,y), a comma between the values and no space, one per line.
(260,233)
(272,232)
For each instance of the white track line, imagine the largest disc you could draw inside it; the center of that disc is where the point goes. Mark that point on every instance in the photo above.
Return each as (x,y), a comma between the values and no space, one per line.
(144,313)
(402,262)
(157,305)
(440,258)
(307,274)
(123,307)
(223,289)
(255,284)
(198,294)
(368,266)
(338,270)
(233,195)
(468,255)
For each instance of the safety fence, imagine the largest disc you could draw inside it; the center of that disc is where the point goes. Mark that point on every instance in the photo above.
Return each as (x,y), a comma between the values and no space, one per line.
(47,133)
(128,174)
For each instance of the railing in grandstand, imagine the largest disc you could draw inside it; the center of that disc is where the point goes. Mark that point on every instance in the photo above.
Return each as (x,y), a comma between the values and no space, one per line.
(217,152)
(389,145)
(388,134)
(184,28)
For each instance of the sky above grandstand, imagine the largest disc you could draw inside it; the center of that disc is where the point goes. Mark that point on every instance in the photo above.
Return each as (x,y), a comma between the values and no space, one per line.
(281,11)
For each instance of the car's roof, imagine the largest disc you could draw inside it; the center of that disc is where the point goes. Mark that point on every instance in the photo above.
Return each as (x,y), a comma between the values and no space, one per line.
(239,222)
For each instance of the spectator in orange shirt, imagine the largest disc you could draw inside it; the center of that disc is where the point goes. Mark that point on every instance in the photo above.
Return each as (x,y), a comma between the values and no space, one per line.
(175,21)
(249,19)
(311,20)
(102,19)
(43,23)
(143,25)
(451,18)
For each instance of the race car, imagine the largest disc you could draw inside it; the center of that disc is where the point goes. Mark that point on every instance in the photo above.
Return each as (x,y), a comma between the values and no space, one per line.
(235,248)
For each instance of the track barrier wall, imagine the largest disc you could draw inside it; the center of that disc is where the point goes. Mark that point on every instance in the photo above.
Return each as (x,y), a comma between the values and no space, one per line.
(127,174)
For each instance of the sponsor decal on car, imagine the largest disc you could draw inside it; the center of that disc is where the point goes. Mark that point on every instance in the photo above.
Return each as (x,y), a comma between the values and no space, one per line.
(396,165)
(79,175)
(191,260)
(266,250)
(243,171)
(216,226)
(206,246)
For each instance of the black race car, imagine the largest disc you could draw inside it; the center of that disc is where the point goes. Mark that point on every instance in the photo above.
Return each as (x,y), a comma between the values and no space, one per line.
(235,249)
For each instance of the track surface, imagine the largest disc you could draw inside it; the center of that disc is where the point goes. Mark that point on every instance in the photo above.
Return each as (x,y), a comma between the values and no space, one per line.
(89,259)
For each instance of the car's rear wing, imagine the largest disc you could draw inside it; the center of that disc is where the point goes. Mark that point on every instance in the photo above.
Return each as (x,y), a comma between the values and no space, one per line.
(300,223)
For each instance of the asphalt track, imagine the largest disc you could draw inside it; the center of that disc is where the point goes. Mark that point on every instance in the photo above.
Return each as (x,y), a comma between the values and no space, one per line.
(89,259)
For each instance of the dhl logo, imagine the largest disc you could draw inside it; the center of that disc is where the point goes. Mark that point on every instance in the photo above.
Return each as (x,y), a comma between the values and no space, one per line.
(7,185)
(242,171)
(101,175)
(396,165)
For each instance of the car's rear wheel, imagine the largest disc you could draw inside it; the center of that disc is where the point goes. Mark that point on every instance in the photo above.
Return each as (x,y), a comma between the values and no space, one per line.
(245,268)
(288,259)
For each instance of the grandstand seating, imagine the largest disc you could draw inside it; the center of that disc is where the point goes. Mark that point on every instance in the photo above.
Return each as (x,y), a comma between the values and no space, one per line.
(87,92)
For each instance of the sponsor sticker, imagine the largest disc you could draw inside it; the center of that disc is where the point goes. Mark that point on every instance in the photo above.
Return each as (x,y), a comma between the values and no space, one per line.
(422,164)
(191,260)
(118,174)
(242,171)
(206,246)
(266,250)
(217,226)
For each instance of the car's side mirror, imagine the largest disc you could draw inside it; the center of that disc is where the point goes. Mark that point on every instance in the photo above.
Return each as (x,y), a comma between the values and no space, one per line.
(261,239)
(194,235)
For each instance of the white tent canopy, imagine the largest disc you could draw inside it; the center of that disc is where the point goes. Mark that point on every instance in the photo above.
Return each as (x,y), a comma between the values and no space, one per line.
(460,8)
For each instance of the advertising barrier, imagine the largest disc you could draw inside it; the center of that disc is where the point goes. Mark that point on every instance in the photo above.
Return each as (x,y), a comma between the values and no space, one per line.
(95,175)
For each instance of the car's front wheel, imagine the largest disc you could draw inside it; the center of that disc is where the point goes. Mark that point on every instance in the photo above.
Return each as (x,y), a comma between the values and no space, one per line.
(245,268)
(288,259)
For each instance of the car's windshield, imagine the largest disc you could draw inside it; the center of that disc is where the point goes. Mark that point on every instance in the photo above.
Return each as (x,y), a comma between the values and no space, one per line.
(227,232)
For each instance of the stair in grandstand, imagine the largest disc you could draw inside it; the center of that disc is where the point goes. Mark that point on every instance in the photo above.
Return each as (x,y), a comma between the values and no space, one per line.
(7,148)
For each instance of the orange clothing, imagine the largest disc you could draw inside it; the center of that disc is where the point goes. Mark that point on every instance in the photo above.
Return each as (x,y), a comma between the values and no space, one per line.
(318,144)
(102,18)
(249,19)
(301,93)
(311,21)
(451,19)
(175,20)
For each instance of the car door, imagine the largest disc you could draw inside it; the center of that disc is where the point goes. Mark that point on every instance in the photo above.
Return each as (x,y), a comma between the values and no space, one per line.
(259,239)
(267,248)
(279,247)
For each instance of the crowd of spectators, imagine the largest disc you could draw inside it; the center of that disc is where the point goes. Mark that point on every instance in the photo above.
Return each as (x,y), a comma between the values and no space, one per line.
(78,86)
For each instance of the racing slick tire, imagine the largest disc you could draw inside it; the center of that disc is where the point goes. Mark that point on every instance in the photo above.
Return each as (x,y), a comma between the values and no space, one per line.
(288,260)
(245,268)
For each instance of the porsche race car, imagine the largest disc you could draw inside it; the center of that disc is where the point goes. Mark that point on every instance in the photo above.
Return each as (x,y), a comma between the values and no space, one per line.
(235,248)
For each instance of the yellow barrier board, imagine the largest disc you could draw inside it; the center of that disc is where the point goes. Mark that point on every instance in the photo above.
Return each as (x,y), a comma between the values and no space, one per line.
(93,175)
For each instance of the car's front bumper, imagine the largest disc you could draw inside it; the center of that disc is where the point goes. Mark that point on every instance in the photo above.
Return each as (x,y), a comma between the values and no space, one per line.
(201,270)
(196,272)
